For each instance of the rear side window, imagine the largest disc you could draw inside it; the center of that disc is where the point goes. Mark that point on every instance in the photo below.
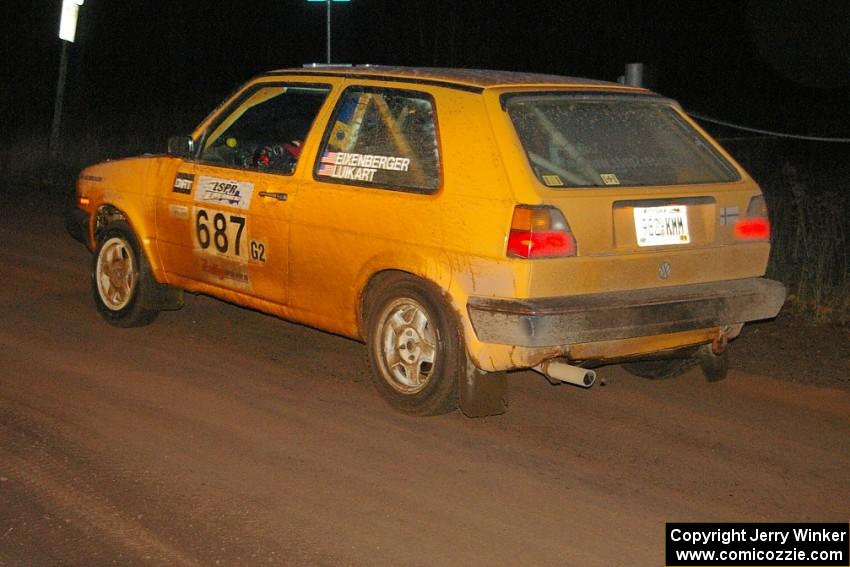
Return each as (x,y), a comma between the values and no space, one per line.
(587,141)
(381,137)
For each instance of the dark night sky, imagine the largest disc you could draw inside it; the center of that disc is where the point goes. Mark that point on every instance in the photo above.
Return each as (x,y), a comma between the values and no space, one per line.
(769,63)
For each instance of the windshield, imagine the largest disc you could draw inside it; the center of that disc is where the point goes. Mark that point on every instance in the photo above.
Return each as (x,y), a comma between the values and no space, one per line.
(588,141)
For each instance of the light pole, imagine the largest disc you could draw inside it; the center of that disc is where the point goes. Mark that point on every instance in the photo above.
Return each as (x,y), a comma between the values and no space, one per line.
(67,32)
(328,11)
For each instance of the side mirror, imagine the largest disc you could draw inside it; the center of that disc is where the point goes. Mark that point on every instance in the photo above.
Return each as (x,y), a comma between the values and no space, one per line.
(181,146)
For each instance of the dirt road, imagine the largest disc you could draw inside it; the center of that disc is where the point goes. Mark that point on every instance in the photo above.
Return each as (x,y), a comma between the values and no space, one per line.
(222,436)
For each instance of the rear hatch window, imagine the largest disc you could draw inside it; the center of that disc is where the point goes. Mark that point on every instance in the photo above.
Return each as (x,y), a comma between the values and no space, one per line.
(609,140)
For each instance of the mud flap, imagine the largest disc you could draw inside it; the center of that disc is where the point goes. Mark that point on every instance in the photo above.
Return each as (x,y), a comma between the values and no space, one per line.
(163,297)
(482,393)
(714,366)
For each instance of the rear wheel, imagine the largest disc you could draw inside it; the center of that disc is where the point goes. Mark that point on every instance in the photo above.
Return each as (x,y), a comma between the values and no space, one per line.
(414,347)
(714,366)
(121,278)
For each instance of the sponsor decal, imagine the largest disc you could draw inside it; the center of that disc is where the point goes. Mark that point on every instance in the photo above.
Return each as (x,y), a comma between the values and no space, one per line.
(183,183)
(728,215)
(359,167)
(609,179)
(224,192)
(94,178)
(223,271)
(179,211)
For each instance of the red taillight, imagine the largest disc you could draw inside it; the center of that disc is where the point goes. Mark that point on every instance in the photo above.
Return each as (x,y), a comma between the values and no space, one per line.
(540,232)
(755,225)
(753,229)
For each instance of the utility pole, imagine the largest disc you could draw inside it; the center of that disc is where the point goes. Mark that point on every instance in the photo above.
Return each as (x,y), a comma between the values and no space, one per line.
(328,19)
(57,104)
(67,32)
(329,32)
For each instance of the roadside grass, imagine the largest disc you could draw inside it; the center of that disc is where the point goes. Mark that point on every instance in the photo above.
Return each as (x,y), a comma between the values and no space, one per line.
(807,188)
(810,248)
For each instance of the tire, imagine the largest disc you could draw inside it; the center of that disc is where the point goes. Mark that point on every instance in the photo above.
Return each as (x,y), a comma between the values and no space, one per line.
(121,279)
(661,369)
(415,347)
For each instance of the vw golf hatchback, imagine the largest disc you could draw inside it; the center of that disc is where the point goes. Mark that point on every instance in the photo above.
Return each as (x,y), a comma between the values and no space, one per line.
(461,223)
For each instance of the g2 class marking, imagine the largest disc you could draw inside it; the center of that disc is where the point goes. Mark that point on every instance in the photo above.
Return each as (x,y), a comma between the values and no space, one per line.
(258,251)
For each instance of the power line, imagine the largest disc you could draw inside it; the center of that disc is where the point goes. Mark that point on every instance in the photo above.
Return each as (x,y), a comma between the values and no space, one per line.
(767,132)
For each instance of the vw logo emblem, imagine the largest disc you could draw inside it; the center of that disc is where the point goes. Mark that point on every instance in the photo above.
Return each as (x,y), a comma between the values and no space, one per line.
(664,269)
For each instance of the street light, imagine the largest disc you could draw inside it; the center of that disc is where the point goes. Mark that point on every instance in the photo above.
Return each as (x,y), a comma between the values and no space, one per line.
(67,32)
(328,4)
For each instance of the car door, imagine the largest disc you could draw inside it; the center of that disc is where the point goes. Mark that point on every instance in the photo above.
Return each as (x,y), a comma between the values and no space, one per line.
(224,224)
(372,198)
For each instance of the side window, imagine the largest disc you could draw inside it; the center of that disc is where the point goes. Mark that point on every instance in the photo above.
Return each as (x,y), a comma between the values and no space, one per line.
(382,137)
(265,128)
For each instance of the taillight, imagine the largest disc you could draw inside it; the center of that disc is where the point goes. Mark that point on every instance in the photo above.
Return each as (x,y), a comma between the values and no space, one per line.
(755,225)
(540,232)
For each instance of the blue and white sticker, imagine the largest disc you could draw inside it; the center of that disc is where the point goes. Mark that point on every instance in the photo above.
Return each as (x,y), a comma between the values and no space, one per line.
(227,192)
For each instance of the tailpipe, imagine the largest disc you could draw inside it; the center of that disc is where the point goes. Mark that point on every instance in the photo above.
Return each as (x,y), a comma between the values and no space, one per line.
(560,371)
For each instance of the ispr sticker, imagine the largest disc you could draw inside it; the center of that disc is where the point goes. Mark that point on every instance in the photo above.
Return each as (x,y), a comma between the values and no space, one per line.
(224,192)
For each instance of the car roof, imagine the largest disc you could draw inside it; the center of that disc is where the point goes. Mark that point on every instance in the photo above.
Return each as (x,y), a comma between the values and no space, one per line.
(466,79)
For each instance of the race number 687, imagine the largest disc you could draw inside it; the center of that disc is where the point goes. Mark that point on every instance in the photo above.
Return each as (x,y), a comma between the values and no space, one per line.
(223,232)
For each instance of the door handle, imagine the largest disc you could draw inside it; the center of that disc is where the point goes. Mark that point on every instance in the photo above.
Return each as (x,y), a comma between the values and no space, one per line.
(273,195)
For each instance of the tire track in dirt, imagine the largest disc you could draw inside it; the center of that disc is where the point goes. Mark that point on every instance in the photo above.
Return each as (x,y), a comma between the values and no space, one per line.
(78,503)
(62,479)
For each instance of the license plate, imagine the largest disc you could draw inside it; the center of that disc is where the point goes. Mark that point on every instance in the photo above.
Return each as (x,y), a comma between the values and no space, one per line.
(660,226)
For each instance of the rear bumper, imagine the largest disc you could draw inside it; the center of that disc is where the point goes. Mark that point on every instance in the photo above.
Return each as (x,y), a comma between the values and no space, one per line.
(554,321)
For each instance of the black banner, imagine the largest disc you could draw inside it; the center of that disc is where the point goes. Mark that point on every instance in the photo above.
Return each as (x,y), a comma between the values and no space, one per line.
(759,545)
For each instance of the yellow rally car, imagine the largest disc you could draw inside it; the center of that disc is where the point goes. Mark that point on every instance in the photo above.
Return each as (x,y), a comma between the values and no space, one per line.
(461,223)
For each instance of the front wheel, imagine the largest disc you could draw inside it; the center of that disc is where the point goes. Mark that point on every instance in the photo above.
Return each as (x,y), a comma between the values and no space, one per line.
(414,347)
(121,278)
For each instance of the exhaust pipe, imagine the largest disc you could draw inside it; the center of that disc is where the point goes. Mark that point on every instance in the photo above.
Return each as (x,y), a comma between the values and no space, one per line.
(559,371)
